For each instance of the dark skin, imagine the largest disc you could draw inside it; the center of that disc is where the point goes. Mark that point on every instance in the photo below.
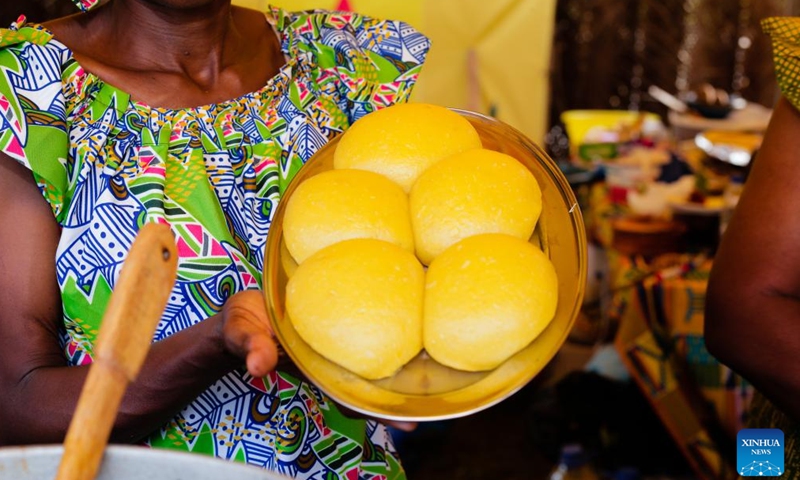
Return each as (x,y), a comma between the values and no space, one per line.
(753,299)
(207,52)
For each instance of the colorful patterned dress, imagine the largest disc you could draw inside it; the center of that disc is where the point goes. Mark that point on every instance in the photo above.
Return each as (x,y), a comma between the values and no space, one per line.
(107,164)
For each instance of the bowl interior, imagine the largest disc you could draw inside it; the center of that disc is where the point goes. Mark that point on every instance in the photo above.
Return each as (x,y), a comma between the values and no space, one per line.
(424,389)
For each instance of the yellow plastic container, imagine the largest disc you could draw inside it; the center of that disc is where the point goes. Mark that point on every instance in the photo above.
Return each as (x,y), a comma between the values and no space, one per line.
(579,122)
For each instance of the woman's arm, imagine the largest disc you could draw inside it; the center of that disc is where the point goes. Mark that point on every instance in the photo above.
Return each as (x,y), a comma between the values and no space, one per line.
(39,390)
(753,300)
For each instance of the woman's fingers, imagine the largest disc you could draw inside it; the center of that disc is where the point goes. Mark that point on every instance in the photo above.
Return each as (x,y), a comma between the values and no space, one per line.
(404,426)
(248,334)
(262,356)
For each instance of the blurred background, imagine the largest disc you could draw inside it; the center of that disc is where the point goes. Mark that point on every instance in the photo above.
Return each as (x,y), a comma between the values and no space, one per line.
(654,110)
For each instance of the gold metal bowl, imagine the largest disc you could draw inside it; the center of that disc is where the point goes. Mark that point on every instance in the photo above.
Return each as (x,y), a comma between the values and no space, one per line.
(424,390)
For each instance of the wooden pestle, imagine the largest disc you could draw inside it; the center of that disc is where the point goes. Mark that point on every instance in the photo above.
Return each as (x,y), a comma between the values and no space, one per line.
(134,310)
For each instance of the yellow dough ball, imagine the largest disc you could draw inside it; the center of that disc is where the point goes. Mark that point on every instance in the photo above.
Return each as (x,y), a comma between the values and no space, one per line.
(338,205)
(479,191)
(486,298)
(359,304)
(403,140)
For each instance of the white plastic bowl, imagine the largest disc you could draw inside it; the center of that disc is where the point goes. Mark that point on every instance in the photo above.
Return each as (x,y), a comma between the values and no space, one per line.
(128,463)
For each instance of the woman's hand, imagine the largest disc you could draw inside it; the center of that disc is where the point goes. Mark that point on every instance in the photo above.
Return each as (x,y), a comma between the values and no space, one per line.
(246,332)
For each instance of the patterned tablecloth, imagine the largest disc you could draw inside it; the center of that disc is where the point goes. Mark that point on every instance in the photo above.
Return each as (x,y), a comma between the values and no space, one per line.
(657,304)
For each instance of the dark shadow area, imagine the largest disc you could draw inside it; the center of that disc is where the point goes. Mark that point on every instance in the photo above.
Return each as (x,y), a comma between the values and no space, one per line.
(521,437)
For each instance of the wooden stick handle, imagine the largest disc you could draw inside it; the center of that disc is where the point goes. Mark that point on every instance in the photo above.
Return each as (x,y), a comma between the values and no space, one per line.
(91,424)
(133,312)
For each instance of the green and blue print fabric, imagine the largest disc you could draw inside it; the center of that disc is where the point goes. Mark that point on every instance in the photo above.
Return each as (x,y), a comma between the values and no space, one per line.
(107,164)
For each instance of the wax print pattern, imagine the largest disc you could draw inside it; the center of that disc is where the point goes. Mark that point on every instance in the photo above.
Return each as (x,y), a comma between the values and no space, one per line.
(108,164)
(785,35)
(86,5)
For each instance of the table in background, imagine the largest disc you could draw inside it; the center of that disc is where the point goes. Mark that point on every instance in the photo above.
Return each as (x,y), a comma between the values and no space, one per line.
(656,302)
(659,306)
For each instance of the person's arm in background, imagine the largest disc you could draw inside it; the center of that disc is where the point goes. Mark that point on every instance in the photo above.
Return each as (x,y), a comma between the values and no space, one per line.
(752,319)
(39,392)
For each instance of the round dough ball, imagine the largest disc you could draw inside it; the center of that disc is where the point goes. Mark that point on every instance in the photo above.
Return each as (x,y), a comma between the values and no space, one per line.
(338,205)
(486,298)
(402,141)
(479,191)
(359,304)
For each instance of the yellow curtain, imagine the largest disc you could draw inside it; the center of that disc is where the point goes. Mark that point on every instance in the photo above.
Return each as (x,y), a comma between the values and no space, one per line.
(491,57)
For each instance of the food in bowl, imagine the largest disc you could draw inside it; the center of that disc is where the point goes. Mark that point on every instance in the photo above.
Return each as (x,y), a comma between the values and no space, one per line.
(477,191)
(359,303)
(486,297)
(342,204)
(403,140)
(424,389)
(357,295)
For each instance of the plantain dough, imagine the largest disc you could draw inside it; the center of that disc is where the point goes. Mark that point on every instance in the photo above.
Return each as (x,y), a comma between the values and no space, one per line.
(359,304)
(486,298)
(478,191)
(403,140)
(338,205)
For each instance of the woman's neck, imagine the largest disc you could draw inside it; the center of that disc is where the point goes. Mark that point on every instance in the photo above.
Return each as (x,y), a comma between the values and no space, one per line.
(171,53)
(197,41)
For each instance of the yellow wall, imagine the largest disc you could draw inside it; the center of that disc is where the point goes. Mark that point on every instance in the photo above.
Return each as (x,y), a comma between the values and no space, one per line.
(487,55)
